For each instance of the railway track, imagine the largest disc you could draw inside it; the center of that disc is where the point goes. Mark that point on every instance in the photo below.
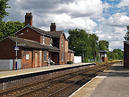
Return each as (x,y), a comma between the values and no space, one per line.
(58,87)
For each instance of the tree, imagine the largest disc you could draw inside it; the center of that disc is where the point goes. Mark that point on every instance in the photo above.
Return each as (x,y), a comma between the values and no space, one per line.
(103,45)
(127,34)
(116,54)
(3,6)
(93,40)
(83,44)
(9,28)
(78,40)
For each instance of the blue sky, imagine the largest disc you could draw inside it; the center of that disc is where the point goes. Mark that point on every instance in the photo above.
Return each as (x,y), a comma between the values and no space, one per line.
(106,18)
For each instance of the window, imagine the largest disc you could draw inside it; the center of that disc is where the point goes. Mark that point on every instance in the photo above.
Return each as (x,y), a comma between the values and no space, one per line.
(45,56)
(62,57)
(62,43)
(51,42)
(43,39)
(27,56)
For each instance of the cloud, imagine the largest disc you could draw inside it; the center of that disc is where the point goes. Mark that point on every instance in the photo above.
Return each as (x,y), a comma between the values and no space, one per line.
(123,3)
(92,15)
(118,19)
(106,5)
(81,8)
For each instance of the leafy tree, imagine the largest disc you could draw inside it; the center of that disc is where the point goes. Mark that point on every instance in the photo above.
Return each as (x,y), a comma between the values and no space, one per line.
(83,44)
(116,54)
(9,28)
(103,45)
(127,34)
(93,40)
(3,6)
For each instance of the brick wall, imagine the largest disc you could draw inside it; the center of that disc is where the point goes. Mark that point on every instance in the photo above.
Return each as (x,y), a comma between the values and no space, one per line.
(62,49)
(26,59)
(7,50)
(47,40)
(30,34)
(126,55)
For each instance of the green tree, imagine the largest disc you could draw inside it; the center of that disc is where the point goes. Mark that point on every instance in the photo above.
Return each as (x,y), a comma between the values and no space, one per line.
(103,45)
(9,28)
(127,34)
(83,44)
(116,54)
(3,6)
(93,41)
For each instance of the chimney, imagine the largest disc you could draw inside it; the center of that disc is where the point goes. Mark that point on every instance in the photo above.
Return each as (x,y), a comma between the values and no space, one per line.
(28,19)
(53,27)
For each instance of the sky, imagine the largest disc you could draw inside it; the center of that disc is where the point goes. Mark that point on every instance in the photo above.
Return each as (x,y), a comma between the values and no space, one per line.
(105,18)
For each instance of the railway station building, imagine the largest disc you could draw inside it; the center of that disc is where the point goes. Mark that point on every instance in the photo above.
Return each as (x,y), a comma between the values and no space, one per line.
(36,47)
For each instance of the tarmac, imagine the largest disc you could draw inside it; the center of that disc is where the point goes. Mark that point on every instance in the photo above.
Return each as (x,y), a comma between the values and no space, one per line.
(111,83)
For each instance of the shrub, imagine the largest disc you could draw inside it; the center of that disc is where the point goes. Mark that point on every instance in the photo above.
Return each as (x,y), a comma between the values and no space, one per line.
(69,62)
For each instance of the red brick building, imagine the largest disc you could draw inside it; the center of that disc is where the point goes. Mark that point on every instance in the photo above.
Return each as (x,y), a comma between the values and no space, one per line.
(36,46)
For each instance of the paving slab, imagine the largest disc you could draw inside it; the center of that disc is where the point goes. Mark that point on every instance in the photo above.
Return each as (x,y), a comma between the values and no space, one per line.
(112,83)
(5,74)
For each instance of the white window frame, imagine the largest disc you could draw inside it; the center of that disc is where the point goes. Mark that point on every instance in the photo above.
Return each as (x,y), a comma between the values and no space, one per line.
(43,40)
(51,41)
(45,56)
(27,56)
(62,45)
(62,57)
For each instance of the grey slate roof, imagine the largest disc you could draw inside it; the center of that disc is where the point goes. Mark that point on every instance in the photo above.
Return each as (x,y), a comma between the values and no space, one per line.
(25,43)
(54,34)
(70,51)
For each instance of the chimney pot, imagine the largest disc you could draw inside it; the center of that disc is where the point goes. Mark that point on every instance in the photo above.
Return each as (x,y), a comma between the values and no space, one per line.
(28,19)
(53,27)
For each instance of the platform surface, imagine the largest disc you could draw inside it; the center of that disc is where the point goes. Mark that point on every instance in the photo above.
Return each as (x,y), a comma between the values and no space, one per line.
(5,74)
(112,83)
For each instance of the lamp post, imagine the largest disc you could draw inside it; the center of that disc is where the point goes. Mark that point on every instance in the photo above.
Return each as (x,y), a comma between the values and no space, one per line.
(16,50)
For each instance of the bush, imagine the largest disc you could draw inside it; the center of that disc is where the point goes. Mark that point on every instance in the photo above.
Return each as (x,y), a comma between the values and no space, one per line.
(69,62)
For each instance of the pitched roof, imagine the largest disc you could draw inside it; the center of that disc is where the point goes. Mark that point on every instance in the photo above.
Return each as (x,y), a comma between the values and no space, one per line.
(70,51)
(55,34)
(25,43)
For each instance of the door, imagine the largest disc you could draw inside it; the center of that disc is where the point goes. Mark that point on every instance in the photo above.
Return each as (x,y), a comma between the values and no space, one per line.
(36,59)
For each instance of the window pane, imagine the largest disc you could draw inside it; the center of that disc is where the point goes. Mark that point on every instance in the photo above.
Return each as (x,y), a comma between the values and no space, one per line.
(27,56)
(45,55)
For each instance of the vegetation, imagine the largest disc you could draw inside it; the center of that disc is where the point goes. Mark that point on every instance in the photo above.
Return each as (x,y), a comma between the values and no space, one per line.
(10,27)
(88,45)
(3,6)
(115,54)
(127,34)
(103,45)
(70,62)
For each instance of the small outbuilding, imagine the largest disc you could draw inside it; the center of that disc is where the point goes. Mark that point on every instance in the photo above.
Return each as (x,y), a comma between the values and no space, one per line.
(103,56)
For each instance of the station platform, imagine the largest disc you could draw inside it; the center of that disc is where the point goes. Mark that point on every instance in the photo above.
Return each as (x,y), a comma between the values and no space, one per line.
(13,73)
(111,83)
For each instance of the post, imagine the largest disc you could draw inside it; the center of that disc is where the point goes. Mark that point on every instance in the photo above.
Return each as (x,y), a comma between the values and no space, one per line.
(16,49)
(16,53)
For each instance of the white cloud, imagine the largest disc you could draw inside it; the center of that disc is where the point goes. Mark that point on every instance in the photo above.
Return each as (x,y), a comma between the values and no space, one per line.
(106,5)
(123,3)
(69,14)
(118,19)
(81,8)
